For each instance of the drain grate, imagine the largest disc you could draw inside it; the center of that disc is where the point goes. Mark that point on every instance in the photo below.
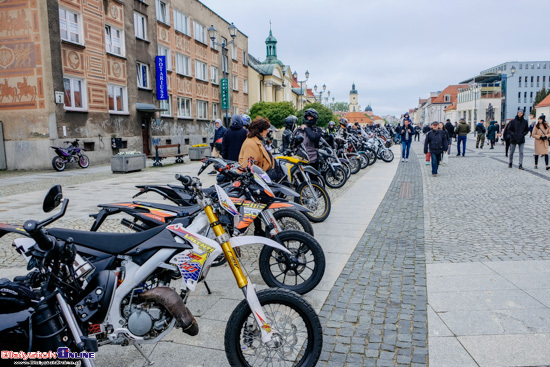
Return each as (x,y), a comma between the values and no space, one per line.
(405,190)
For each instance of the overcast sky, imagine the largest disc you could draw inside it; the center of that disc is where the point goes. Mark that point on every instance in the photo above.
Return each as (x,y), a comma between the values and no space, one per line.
(394,50)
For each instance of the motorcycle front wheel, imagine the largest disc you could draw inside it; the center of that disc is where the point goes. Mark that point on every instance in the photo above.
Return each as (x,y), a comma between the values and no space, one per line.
(301,270)
(364,160)
(58,164)
(335,179)
(355,164)
(372,155)
(320,207)
(297,332)
(386,155)
(83,161)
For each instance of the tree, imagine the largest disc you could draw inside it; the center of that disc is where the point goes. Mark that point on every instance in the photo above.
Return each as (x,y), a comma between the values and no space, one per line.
(541,94)
(340,106)
(325,113)
(276,112)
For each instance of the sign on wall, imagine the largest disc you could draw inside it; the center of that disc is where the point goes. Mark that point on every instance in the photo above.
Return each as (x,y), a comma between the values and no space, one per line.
(162,86)
(225,94)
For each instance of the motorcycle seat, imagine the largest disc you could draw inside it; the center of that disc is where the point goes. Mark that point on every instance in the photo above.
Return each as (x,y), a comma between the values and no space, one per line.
(112,243)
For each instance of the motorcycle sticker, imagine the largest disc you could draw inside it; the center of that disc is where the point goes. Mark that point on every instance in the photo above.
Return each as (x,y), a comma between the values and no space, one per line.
(225,201)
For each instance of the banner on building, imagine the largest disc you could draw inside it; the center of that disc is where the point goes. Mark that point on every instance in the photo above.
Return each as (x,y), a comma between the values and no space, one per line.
(225,94)
(162,86)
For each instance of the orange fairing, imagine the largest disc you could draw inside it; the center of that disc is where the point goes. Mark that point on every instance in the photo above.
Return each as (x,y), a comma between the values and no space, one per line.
(156,214)
(279,205)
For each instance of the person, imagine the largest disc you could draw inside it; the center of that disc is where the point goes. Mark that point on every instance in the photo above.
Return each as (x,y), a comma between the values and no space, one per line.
(254,145)
(492,133)
(290,125)
(312,135)
(406,131)
(541,133)
(450,133)
(517,129)
(454,131)
(417,130)
(480,130)
(246,120)
(233,139)
(462,131)
(436,143)
(531,129)
(505,136)
(218,137)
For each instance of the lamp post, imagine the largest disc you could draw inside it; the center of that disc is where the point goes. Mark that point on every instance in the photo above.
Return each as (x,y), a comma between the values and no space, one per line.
(295,75)
(328,97)
(212,34)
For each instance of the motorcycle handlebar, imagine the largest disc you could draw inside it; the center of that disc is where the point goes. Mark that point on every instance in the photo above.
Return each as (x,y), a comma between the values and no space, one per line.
(185,180)
(38,234)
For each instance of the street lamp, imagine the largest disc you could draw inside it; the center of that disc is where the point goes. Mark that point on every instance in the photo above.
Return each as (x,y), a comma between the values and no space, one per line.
(212,33)
(295,75)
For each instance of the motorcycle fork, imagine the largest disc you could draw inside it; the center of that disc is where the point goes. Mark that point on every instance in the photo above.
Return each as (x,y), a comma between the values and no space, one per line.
(309,184)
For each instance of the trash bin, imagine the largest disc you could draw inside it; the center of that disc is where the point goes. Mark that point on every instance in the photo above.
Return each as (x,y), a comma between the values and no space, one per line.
(198,153)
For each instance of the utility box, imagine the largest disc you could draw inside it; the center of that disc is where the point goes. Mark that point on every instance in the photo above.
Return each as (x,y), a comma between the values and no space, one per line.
(198,153)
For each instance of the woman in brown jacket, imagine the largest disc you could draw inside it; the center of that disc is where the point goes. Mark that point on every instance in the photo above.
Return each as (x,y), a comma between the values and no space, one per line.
(253,146)
(541,133)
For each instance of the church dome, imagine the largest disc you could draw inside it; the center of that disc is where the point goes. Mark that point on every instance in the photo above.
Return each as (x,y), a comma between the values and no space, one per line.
(270,38)
(369,108)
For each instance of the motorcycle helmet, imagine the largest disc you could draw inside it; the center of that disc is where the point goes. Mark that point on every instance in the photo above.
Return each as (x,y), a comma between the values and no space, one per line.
(343,122)
(311,112)
(290,122)
(331,124)
(246,120)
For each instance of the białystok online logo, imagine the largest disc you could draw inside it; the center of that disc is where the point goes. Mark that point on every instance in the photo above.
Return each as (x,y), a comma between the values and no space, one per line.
(62,353)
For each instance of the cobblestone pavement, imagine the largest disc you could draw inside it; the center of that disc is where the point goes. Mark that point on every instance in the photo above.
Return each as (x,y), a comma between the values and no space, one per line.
(376,312)
(478,209)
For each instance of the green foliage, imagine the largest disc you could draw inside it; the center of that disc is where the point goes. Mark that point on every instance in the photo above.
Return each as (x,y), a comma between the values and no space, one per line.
(276,112)
(541,94)
(340,106)
(325,114)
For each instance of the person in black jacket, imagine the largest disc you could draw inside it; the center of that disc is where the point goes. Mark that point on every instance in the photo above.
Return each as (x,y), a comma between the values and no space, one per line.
(233,139)
(516,130)
(450,132)
(406,131)
(436,142)
(290,125)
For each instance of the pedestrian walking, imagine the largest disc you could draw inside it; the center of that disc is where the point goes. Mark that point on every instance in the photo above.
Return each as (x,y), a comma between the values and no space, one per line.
(233,139)
(541,133)
(406,131)
(505,137)
(417,130)
(492,133)
(480,130)
(218,138)
(461,132)
(531,129)
(450,133)
(436,143)
(456,125)
(517,129)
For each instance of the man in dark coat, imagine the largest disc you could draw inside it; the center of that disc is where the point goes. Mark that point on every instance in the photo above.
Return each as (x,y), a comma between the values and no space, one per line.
(516,131)
(436,142)
(451,132)
(233,139)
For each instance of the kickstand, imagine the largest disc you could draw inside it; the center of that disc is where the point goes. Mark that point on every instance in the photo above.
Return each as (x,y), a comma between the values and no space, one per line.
(140,350)
(207,287)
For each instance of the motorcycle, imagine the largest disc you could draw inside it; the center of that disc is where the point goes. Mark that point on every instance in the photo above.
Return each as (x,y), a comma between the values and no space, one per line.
(70,154)
(93,289)
(330,167)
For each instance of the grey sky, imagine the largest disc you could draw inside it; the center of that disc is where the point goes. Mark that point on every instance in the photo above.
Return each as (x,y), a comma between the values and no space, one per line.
(394,50)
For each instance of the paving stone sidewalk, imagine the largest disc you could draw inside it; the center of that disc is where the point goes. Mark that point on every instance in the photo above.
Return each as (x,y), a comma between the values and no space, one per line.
(375,315)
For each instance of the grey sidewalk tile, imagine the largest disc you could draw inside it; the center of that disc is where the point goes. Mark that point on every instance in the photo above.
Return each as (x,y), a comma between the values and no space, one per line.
(448,269)
(530,280)
(459,283)
(520,267)
(482,300)
(541,295)
(436,326)
(448,352)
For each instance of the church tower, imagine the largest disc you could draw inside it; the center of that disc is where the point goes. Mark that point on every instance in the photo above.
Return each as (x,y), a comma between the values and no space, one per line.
(353,105)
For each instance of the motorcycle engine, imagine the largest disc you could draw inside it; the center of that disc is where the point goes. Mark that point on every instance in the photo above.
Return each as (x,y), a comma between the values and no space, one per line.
(146,319)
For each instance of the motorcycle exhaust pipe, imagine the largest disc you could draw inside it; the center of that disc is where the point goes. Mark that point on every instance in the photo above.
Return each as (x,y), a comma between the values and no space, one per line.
(174,304)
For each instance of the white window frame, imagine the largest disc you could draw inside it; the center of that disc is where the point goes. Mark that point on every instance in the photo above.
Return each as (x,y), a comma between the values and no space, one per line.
(139,67)
(235,110)
(166,104)
(83,93)
(183,65)
(245,86)
(201,70)
(447,98)
(165,51)
(215,107)
(181,22)
(199,32)
(140,26)
(69,27)
(109,43)
(233,51)
(235,82)
(163,12)
(214,75)
(244,57)
(113,89)
(184,107)
(202,110)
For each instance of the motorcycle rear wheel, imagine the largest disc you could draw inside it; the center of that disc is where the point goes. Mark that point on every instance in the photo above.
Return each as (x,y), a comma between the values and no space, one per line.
(321,209)
(386,155)
(364,160)
(295,325)
(372,155)
(58,164)
(292,219)
(355,164)
(83,161)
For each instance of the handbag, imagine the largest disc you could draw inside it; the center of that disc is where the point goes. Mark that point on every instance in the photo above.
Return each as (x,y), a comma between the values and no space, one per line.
(445,159)
(428,157)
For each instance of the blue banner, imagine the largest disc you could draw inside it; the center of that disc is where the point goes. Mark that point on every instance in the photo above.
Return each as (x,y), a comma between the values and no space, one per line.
(162,84)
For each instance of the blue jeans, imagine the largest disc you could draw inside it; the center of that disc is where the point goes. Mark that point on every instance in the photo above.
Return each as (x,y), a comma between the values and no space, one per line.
(406,148)
(436,158)
(463,140)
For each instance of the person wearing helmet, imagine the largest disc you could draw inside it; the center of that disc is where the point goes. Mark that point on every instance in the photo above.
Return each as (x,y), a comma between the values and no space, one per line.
(290,125)
(246,120)
(312,134)
(331,127)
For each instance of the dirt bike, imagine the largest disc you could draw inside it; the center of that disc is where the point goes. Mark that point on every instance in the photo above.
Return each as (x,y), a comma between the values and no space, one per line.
(110,288)
(70,154)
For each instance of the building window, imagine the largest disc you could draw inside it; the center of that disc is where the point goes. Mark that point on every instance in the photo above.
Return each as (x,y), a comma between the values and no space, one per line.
(181,22)
(200,33)
(520,81)
(142,75)
(531,97)
(532,66)
(118,98)
(202,110)
(538,65)
(244,57)
(520,66)
(532,80)
(519,97)
(162,12)
(525,81)
(166,104)
(235,82)
(140,26)
(526,66)
(544,80)
(214,78)
(233,52)
(447,98)
(245,85)
(544,66)
(182,65)
(114,40)
(538,81)
(235,110)
(165,51)
(75,93)
(184,107)
(525,97)
(215,107)
(201,72)
(69,24)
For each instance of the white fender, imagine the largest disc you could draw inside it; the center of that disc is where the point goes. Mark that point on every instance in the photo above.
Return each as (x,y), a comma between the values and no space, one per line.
(254,240)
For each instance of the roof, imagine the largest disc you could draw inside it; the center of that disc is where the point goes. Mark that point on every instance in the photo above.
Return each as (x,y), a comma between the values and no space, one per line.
(310,93)
(544,103)
(377,118)
(451,90)
(422,100)
(295,85)
(357,117)
(451,107)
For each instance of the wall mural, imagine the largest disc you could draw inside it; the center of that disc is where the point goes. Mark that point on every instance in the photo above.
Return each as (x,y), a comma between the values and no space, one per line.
(21,81)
